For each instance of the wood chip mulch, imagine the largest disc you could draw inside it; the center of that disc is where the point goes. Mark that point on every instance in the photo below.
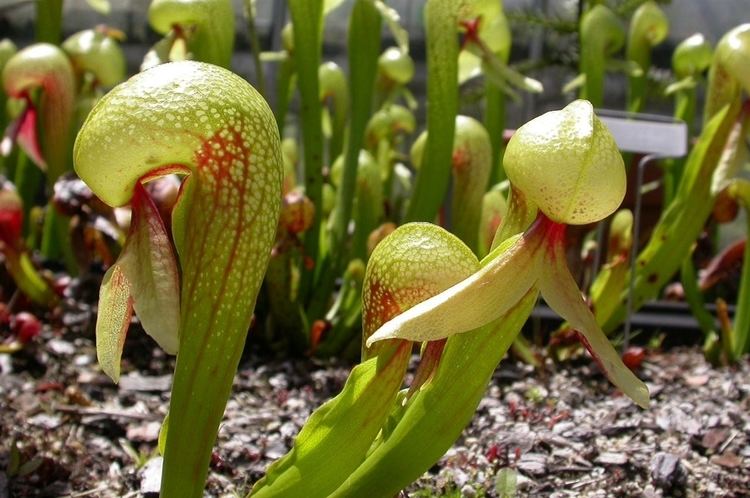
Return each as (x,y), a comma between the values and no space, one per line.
(67,431)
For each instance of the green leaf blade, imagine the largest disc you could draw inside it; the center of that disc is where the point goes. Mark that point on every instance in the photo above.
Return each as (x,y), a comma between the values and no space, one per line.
(150,265)
(113,320)
(336,437)
(441,19)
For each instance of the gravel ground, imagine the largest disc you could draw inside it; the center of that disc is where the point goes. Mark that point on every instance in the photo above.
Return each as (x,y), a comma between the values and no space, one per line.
(66,430)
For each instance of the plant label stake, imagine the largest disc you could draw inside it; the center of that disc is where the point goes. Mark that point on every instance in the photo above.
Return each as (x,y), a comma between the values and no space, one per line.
(658,137)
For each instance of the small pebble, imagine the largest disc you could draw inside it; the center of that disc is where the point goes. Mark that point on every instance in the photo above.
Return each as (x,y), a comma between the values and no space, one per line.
(612,458)
(666,471)
(61,347)
(151,477)
(45,421)
(467,491)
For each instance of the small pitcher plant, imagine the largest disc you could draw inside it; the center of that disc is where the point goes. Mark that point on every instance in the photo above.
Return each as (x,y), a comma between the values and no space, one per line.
(565,162)
(207,123)
(42,78)
(588,188)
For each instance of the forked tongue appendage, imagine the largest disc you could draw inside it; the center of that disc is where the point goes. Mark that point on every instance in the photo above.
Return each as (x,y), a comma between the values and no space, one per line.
(113,320)
(144,279)
(561,293)
(155,275)
(23,132)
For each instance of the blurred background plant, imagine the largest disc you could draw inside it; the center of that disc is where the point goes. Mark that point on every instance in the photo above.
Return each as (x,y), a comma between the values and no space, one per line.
(357,123)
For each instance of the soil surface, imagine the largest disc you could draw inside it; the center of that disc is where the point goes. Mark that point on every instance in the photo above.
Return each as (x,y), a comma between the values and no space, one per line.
(67,430)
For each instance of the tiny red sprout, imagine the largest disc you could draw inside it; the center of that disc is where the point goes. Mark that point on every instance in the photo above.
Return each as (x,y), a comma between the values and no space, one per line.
(4,315)
(217,462)
(633,357)
(317,331)
(512,408)
(26,327)
(282,397)
(493,453)
(47,386)
(558,417)
(251,455)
